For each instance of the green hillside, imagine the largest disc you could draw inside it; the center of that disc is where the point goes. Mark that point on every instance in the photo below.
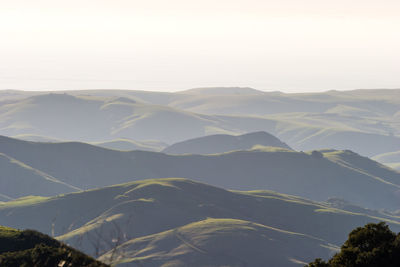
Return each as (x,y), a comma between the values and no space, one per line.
(221,242)
(144,214)
(32,249)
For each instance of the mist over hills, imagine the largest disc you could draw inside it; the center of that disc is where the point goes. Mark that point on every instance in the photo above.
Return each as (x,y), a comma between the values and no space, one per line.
(167,220)
(341,120)
(214,144)
(89,118)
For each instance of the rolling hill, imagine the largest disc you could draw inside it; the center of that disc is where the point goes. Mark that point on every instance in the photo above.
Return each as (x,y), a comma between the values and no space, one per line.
(181,222)
(221,242)
(365,121)
(95,119)
(215,144)
(342,174)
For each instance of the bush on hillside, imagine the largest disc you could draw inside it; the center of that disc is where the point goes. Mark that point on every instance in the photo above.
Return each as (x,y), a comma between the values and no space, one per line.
(368,246)
(33,249)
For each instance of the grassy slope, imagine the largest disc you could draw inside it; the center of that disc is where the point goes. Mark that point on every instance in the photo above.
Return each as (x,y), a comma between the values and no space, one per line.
(169,220)
(221,242)
(149,207)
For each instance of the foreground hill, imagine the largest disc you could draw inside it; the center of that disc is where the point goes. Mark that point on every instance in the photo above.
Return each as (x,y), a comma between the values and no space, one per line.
(220,242)
(316,176)
(31,248)
(178,220)
(214,144)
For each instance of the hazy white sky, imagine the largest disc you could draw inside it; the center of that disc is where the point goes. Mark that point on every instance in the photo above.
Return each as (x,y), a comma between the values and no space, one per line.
(287,45)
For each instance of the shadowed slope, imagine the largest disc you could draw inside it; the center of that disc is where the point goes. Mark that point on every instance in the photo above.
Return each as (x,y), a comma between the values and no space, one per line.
(18,179)
(296,173)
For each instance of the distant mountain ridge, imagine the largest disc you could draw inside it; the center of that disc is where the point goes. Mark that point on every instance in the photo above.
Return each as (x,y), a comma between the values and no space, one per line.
(364,121)
(223,91)
(221,143)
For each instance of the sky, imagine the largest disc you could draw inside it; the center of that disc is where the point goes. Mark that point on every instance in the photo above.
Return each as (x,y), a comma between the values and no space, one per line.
(285,45)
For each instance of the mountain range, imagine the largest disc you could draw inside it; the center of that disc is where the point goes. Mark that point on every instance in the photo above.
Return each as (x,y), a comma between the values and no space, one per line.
(364,121)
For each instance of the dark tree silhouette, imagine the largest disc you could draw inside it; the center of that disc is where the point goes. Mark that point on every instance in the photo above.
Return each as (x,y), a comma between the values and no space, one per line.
(369,246)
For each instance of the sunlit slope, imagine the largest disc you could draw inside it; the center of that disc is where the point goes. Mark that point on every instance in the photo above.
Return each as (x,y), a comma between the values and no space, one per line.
(221,242)
(133,212)
(297,173)
(221,143)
